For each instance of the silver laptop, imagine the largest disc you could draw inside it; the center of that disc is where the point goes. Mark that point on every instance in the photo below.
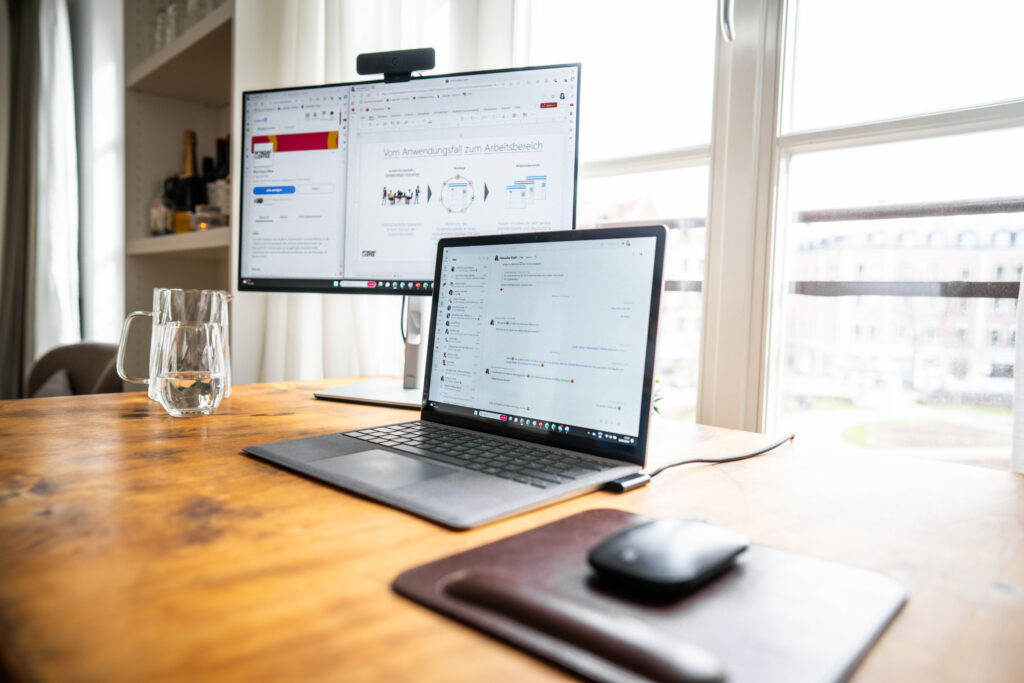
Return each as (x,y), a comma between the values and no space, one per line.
(538,382)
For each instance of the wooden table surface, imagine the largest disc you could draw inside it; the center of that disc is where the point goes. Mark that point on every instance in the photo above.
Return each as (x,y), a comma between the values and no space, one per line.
(136,546)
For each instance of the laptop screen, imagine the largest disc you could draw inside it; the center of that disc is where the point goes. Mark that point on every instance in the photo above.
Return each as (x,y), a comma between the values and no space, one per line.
(548,337)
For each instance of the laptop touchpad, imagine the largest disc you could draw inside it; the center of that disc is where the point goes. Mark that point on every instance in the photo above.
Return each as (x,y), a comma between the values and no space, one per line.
(381,469)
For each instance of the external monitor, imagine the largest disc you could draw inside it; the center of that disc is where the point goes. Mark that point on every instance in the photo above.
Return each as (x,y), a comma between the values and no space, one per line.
(348,187)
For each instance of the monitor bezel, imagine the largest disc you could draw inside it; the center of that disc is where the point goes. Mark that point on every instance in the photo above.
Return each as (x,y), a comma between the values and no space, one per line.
(635,454)
(318,286)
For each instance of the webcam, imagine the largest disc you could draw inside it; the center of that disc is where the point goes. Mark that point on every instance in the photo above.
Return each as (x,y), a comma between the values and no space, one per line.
(397,65)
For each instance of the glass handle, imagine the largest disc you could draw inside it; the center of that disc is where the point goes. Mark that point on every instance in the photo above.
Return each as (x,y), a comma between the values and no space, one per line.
(120,348)
(725,20)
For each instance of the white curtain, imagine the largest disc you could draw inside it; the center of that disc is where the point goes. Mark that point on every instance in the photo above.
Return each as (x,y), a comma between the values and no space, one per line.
(98,53)
(54,278)
(5,111)
(311,336)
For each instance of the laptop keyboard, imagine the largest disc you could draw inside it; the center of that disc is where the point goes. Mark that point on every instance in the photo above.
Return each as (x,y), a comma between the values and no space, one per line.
(516,461)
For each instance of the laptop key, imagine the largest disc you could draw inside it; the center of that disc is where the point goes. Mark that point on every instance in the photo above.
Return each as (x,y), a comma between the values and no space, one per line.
(576,472)
(433,455)
(544,476)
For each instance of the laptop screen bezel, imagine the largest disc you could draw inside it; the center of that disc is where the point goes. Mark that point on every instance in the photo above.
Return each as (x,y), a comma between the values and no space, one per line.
(635,453)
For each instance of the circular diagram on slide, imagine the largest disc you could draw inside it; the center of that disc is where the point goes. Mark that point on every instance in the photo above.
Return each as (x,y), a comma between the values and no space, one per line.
(457,194)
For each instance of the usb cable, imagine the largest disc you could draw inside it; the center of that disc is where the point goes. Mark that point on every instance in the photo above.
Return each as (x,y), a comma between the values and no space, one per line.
(635,481)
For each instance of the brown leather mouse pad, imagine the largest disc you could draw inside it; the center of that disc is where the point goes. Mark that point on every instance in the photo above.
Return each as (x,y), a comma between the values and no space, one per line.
(776,616)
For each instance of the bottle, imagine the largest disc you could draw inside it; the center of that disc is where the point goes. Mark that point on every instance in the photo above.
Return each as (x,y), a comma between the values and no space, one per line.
(209,174)
(191,190)
(161,209)
(223,155)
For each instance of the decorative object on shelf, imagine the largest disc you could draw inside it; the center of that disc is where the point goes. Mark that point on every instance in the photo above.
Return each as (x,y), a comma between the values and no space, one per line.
(223,158)
(159,37)
(208,216)
(218,195)
(174,20)
(182,222)
(192,202)
(161,210)
(165,20)
(195,10)
(218,185)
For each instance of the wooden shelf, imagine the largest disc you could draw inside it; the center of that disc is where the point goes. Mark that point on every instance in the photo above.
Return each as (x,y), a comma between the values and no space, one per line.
(196,66)
(209,244)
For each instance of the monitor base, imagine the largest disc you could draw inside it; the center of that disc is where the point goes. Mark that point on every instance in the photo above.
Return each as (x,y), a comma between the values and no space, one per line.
(382,392)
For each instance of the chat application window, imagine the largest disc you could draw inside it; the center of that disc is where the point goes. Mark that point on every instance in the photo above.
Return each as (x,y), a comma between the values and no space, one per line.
(555,332)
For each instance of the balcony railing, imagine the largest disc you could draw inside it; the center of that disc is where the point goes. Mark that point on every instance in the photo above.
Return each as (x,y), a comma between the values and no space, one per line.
(957,289)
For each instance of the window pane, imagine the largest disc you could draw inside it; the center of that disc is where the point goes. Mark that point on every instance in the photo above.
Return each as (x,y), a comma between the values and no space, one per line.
(864,365)
(676,371)
(676,193)
(957,167)
(647,76)
(853,62)
(678,199)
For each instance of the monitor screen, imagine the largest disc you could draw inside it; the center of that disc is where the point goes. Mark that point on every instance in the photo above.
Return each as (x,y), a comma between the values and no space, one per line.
(348,187)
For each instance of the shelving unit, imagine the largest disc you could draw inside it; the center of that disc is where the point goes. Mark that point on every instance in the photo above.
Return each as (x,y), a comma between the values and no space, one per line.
(196,66)
(204,244)
(184,86)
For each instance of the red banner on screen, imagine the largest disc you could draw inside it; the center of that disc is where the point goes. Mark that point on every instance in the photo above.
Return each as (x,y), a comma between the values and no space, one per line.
(298,142)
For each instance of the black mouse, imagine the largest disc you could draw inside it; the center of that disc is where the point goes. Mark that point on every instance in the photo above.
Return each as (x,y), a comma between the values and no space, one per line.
(667,555)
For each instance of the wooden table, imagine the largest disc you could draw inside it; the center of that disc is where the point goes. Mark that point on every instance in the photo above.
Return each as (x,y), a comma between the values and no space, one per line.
(136,546)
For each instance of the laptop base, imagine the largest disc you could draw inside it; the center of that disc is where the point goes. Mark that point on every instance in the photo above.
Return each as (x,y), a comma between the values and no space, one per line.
(381,392)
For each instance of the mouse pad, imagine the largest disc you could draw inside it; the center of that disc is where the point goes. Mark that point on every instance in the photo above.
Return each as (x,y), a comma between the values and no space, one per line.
(775,616)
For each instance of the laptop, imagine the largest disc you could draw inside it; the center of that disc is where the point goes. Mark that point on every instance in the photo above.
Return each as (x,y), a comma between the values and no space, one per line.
(538,380)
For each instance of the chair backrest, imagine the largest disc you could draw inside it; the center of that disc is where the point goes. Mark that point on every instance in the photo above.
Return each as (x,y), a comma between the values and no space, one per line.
(88,367)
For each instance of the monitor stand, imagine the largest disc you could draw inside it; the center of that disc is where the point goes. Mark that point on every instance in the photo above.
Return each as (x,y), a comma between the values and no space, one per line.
(398,393)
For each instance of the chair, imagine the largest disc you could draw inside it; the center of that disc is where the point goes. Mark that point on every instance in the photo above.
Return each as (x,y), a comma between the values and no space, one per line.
(83,368)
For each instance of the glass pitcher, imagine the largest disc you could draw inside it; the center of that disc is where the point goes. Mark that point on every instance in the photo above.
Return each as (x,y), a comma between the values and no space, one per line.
(179,305)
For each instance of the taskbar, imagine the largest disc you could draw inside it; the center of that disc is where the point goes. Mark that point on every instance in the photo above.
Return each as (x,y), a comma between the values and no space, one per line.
(348,286)
(531,425)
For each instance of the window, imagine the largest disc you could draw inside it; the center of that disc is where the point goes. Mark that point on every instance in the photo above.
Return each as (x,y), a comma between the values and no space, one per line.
(859,153)
(852,63)
(849,141)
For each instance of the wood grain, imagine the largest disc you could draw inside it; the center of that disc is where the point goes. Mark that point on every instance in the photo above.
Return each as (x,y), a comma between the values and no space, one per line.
(136,546)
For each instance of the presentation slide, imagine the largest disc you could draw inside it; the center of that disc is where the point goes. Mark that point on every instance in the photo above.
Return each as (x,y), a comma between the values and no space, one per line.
(408,195)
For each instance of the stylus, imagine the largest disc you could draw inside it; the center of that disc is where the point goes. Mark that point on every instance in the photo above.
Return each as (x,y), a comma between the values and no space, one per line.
(619,639)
